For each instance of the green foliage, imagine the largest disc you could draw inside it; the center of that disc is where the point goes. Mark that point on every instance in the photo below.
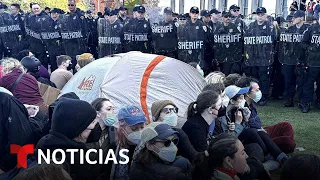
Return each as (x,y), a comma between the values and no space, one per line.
(131,3)
(62,4)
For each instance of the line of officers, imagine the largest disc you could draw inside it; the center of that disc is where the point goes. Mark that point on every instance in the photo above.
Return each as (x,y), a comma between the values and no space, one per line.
(217,41)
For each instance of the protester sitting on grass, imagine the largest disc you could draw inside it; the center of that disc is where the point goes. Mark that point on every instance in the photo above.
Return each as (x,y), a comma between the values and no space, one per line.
(73,125)
(201,114)
(236,123)
(225,159)
(302,166)
(167,112)
(32,67)
(106,117)
(157,158)
(44,171)
(43,72)
(282,133)
(131,121)
(25,88)
(61,76)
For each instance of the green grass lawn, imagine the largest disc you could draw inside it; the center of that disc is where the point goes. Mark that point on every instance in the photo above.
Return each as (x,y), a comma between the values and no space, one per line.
(306,126)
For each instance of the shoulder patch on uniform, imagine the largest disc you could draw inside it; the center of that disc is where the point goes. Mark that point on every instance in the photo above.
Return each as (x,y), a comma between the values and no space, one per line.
(264,27)
(204,28)
(82,17)
(177,24)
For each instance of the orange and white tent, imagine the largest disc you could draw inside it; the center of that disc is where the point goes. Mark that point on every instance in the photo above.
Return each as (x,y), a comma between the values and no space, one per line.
(136,78)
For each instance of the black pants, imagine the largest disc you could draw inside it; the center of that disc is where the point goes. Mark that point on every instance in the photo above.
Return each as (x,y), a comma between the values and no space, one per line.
(230,68)
(313,75)
(290,80)
(277,80)
(262,73)
(263,139)
(302,78)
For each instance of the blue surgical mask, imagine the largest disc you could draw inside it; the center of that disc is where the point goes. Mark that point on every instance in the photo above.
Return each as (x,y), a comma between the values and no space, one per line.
(135,137)
(110,119)
(168,153)
(171,119)
(258,96)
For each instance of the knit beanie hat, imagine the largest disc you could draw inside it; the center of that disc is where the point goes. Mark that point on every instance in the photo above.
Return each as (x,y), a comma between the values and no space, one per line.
(72,116)
(157,107)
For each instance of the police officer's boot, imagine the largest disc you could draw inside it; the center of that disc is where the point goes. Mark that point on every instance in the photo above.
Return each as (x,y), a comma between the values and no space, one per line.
(289,102)
(305,107)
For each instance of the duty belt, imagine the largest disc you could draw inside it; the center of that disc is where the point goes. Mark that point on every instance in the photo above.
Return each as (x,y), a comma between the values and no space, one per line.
(72,35)
(50,35)
(33,34)
(109,40)
(12,28)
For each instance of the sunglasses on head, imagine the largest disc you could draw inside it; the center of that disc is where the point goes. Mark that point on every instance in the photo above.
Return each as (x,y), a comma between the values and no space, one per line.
(71,5)
(167,142)
(169,110)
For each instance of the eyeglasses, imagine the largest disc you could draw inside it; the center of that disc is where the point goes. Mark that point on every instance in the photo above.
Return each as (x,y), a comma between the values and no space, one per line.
(194,12)
(169,110)
(167,142)
(71,5)
(227,16)
(236,10)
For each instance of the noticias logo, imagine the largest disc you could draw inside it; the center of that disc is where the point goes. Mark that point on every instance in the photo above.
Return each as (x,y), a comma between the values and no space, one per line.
(58,156)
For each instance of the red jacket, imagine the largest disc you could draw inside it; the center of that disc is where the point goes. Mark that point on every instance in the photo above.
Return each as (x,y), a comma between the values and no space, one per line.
(27,90)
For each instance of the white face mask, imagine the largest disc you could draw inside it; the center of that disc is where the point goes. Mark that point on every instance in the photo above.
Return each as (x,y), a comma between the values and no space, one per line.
(242,103)
(225,101)
(171,119)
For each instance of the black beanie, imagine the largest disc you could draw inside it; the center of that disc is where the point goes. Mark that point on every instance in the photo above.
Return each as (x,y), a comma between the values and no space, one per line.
(72,116)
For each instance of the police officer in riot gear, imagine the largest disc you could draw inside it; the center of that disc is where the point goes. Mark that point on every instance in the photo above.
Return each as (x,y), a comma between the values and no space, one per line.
(259,45)
(34,23)
(191,38)
(292,57)
(74,32)
(164,35)
(93,34)
(311,43)
(110,31)
(12,31)
(207,64)
(228,45)
(51,37)
(236,18)
(123,14)
(215,19)
(137,33)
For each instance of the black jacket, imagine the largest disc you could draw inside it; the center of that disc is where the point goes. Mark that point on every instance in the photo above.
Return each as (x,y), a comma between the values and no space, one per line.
(156,171)
(197,130)
(311,42)
(14,129)
(185,147)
